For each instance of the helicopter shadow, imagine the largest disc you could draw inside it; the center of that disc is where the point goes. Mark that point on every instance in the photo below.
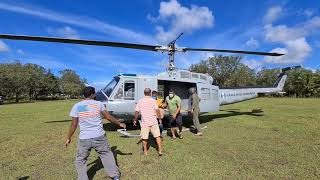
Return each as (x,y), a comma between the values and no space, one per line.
(97,164)
(60,121)
(113,127)
(205,118)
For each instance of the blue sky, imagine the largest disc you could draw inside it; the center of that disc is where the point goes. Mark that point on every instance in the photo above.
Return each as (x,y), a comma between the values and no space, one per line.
(290,27)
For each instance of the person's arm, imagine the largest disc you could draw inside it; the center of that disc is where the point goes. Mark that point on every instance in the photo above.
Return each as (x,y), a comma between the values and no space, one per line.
(136,115)
(112,119)
(159,116)
(191,99)
(178,109)
(73,127)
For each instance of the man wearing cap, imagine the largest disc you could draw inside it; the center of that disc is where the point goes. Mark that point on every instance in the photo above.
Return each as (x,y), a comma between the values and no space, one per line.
(175,119)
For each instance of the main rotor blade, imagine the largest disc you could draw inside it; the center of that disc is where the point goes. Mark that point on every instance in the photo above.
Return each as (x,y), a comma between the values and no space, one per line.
(78,41)
(233,51)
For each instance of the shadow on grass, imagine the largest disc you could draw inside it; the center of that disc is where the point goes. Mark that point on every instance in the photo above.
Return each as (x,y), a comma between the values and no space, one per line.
(187,121)
(97,164)
(23,177)
(69,120)
(113,127)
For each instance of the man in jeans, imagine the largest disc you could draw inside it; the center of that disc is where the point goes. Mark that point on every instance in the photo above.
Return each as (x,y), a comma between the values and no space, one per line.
(149,112)
(87,114)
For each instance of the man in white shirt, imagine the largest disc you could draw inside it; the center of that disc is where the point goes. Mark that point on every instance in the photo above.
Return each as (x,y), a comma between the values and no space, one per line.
(88,114)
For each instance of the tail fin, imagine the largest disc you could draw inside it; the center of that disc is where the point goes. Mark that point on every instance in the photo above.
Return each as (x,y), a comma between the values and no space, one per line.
(279,84)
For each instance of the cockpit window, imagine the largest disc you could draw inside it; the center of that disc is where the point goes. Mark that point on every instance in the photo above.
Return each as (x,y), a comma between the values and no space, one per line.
(119,94)
(126,91)
(129,90)
(109,88)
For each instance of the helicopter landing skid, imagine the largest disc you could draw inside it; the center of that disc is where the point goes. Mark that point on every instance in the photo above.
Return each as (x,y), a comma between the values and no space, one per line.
(125,133)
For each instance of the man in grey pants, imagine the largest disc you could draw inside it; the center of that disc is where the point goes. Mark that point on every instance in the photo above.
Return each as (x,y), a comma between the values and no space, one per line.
(87,114)
(195,110)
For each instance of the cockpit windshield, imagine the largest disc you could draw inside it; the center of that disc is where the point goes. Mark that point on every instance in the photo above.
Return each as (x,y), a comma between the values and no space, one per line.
(109,88)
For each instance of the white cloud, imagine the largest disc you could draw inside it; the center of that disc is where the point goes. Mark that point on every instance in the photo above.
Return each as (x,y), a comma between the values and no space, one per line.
(181,19)
(252,43)
(273,14)
(21,52)
(64,32)
(282,33)
(293,40)
(311,69)
(80,21)
(3,47)
(295,52)
(309,12)
(253,64)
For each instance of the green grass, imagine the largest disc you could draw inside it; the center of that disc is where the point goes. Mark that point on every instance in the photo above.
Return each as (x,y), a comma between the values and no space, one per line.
(283,142)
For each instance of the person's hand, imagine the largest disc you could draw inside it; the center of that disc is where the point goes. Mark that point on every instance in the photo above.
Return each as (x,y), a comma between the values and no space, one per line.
(123,125)
(160,121)
(134,122)
(68,141)
(174,117)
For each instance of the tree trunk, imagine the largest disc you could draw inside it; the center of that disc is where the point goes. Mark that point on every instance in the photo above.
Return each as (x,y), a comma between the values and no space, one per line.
(17,97)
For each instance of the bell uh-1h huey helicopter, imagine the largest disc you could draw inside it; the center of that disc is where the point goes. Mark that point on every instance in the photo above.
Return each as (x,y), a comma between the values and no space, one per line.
(124,90)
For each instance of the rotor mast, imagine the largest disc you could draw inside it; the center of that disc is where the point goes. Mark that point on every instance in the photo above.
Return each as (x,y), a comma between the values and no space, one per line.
(171,50)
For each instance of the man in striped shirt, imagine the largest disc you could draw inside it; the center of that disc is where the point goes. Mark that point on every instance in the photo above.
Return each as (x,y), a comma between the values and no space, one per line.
(149,112)
(88,114)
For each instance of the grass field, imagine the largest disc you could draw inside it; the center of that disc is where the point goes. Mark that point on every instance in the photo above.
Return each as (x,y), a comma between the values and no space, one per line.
(283,142)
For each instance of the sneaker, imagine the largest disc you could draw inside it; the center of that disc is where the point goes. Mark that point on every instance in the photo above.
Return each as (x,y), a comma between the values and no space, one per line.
(116,178)
(198,134)
(180,135)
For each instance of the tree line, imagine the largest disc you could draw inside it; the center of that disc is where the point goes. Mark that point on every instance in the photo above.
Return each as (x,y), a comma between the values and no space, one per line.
(31,81)
(228,71)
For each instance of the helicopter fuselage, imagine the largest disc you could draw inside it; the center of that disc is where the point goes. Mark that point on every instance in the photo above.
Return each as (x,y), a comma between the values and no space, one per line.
(121,95)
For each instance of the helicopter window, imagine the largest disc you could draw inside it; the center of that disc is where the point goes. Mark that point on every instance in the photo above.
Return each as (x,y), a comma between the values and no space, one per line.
(214,94)
(119,94)
(195,76)
(109,88)
(184,74)
(203,77)
(129,90)
(205,93)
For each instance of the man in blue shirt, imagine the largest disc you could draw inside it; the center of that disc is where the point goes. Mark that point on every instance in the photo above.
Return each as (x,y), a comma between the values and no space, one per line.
(88,114)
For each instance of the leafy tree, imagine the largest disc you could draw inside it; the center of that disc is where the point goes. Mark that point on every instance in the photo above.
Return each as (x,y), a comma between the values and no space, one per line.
(316,83)
(35,79)
(71,83)
(13,78)
(242,77)
(226,70)
(51,85)
(266,77)
(299,83)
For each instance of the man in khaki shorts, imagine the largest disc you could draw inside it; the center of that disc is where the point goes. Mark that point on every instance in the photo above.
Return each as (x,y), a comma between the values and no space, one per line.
(149,112)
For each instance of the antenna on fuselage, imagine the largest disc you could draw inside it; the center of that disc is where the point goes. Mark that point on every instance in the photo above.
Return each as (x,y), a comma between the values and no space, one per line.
(171,51)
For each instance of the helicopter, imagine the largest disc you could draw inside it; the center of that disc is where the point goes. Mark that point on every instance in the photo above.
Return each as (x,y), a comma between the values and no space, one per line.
(122,93)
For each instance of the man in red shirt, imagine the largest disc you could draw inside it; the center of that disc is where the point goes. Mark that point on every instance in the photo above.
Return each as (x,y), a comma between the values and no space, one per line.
(149,112)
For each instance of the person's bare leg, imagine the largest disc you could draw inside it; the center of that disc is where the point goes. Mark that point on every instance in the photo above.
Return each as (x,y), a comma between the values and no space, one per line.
(145,146)
(173,132)
(159,142)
